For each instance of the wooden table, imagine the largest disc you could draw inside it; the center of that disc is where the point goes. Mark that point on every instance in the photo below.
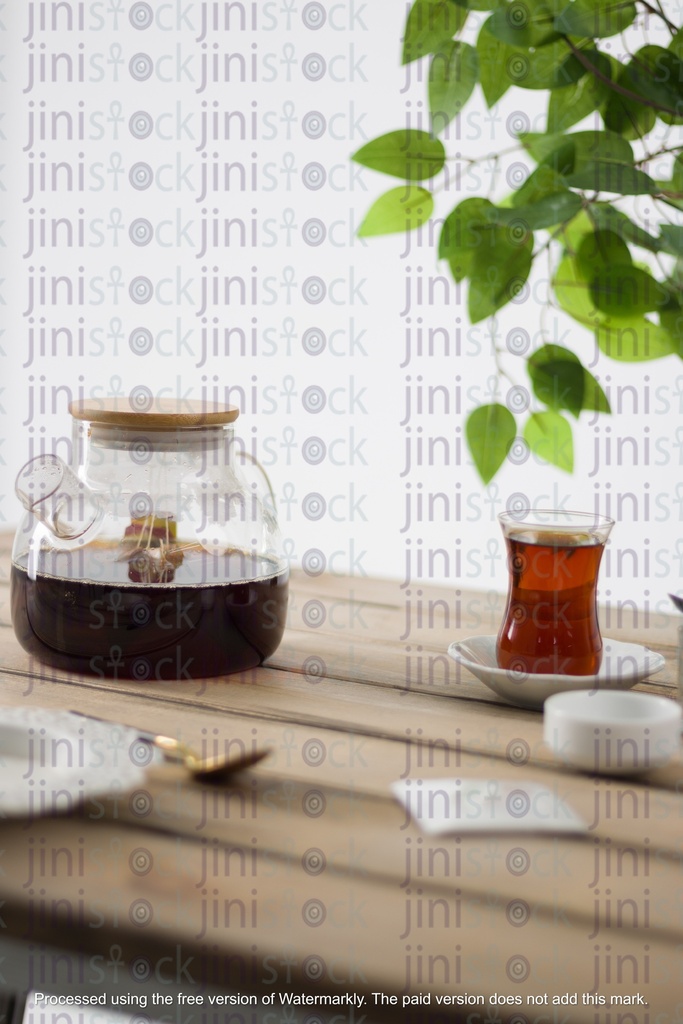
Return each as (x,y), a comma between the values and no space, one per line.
(304,877)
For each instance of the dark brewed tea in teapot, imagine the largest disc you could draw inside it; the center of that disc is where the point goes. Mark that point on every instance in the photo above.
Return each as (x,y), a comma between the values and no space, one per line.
(158,559)
(229,622)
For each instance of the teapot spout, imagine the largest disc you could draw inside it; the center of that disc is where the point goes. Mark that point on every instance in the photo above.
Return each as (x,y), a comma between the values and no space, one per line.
(52,492)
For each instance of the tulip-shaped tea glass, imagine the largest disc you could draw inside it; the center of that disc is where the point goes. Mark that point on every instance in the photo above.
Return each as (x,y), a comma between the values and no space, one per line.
(551,622)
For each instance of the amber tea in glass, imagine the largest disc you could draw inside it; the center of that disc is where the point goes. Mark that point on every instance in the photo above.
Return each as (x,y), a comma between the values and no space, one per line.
(551,623)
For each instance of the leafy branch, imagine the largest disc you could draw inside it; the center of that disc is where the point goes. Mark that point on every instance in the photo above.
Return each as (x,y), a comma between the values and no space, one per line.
(565,209)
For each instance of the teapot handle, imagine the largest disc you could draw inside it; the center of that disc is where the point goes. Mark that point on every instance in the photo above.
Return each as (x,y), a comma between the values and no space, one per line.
(255,462)
(52,492)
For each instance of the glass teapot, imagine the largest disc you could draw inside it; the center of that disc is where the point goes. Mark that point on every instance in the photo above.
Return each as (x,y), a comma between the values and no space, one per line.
(156,558)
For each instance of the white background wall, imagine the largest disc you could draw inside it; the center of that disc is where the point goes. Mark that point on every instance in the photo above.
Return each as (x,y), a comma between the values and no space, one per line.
(299,186)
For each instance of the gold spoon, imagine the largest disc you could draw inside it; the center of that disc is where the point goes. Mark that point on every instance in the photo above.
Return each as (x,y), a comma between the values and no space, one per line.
(214,768)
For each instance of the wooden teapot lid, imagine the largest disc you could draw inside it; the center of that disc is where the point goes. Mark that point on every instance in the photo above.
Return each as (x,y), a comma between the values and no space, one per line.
(144,411)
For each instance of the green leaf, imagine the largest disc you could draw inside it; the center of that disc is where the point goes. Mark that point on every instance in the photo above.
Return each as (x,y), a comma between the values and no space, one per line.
(624,115)
(563,159)
(464,228)
(431,24)
(672,323)
(541,146)
(547,67)
(623,290)
(542,182)
(544,212)
(568,72)
(576,230)
(557,378)
(675,185)
(596,19)
(463,231)
(634,340)
(631,119)
(599,249)
(629,339)
(502,65)
(610,176)
(604,216)
(677,174)
(657,75)
(498,270)
(590,147)
(593,396)
(490,430)
(672,235)
(586,146)
(407,153)
(676,44)
(480,5)
(493,56)
(400,209)
(523,23)
(452,77)
(571,104)
(676,279)
(573,294)
(549,436)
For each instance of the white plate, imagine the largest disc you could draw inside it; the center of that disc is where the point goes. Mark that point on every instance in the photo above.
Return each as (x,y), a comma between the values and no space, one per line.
(623,665)
(51,761)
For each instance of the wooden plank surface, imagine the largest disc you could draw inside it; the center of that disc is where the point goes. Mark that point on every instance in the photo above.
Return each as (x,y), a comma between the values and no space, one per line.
(335,926)
(346,712)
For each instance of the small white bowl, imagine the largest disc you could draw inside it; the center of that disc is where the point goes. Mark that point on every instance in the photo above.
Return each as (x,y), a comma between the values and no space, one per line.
(612,732)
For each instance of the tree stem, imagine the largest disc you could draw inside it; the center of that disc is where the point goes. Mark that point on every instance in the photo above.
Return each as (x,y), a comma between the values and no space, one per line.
(659,13)
(595,71)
